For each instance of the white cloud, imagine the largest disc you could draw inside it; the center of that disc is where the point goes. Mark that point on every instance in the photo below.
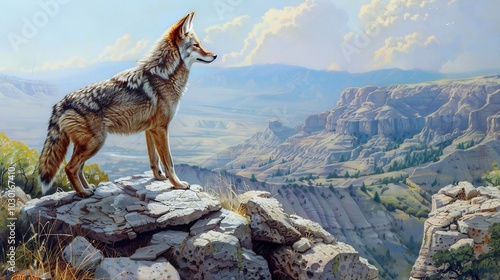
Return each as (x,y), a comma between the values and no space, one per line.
(402,47)
(233,28)
(435,35)
(124,48)
(225,38)
(306,34)
(72,62)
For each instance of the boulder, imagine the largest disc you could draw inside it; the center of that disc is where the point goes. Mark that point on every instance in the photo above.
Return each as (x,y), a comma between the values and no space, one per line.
(321,261)
(462,242)
(125,268)
(302,245)
(150,253)
(82,255)
(312,229)
(215,255)
(269,222)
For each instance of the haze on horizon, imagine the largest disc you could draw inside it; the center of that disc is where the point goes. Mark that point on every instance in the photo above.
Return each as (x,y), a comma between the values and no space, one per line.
(356,36)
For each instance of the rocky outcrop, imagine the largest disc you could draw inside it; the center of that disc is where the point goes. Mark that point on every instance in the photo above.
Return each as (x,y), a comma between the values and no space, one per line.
(145,228)
(460,214)
(121,211)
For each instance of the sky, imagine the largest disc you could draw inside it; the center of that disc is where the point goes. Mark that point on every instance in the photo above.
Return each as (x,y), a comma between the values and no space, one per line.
(447,36)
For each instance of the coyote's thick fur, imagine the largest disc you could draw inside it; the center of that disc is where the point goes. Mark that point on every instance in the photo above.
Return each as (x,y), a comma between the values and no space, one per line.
(143,98)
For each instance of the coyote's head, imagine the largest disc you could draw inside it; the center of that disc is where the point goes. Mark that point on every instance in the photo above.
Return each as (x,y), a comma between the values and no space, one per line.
(189,45)
(179,45)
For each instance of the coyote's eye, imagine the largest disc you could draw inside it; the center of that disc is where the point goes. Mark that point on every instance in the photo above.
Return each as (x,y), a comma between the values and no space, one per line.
(196,45)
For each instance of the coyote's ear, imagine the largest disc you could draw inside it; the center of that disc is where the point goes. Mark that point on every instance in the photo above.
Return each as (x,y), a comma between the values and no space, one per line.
(187,23)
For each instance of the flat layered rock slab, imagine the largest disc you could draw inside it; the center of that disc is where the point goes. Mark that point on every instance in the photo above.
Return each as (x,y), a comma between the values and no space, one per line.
(185,206)
(124,209)
(125,268)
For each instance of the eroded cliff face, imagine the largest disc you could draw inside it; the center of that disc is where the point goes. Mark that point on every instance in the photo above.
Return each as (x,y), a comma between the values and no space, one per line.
(388,128)
(441,107)
(460,215)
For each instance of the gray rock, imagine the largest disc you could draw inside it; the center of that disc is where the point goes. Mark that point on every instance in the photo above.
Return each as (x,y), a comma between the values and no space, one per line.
(440,200)
(254,266)
(244,197)
(269,222)
(170,237)
(462,242)
(211,252)
(203,225)
(302,245)
(237,225)
(176,240)
(491,205)
(322,261)
(140,222)
(125,268)
(185,206)
(451,191)
(469,189)
(312,229)
(81,255)
(215,255)
(150,253)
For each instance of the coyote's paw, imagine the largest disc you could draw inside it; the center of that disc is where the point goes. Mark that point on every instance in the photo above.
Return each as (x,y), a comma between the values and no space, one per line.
(159,176)
(86,192)
(182,185)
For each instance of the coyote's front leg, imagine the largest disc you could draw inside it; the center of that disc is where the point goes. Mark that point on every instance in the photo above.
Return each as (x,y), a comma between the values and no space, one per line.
(160,139)
(153,157)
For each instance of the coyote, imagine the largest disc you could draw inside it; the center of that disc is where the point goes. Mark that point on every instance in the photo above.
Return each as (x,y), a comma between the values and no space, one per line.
(143,98)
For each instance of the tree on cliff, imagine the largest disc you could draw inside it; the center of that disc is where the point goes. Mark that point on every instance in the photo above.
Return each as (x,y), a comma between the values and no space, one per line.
(492,177)
(18,164)
(463,264)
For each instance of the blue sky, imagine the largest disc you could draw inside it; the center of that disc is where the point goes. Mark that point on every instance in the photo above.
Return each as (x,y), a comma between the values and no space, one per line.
(355,36)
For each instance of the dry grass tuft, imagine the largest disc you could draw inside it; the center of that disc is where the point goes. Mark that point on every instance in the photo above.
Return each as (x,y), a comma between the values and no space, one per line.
(40,255)
(225,190)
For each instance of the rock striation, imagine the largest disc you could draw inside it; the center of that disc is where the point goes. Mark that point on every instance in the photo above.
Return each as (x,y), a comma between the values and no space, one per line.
(144,228)
(461,214)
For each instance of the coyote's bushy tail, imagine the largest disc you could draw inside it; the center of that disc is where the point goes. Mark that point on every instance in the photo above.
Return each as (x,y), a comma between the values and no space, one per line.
(53,152)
